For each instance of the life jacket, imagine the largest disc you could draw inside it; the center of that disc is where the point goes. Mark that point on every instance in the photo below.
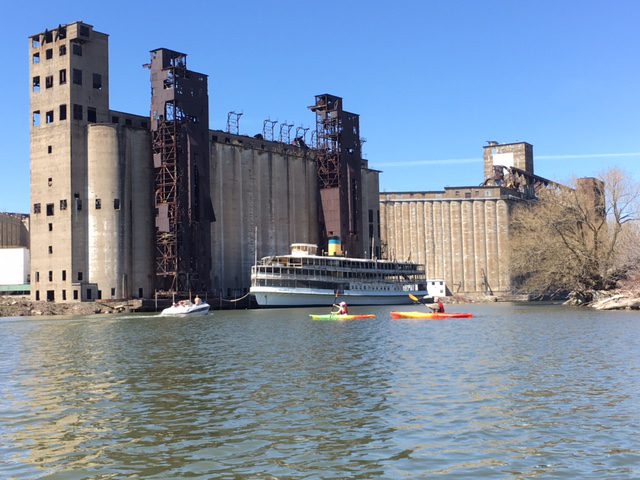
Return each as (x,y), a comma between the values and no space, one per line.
(345,310)
(440,307)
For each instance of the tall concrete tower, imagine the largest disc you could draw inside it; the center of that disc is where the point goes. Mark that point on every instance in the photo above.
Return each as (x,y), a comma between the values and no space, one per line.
(69,89)
(91,177)
(339,174)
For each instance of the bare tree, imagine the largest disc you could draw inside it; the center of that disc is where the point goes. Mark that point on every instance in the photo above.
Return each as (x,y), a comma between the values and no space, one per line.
(580,239)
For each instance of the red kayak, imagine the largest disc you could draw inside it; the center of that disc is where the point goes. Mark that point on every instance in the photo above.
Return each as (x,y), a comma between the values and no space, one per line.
(430,315)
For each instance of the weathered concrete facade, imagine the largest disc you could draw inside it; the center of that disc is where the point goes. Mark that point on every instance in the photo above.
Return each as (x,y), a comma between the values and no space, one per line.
(92,185)
(69,92)
(265,198)
(14,230)
(460,234)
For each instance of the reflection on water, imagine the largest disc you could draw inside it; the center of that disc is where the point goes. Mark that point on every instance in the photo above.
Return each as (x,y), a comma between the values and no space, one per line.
(516,392)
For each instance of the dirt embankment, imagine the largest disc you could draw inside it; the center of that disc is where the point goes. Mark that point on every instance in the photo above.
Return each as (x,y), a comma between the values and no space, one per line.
(14,306)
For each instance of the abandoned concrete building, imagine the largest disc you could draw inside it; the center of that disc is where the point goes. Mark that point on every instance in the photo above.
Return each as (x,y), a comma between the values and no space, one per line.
(125,206)
(462,233)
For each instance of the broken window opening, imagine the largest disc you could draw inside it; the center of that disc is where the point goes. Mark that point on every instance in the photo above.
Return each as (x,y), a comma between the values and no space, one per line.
(63,204)
(49,81)
(84,30)
(49,209)
(79,276)
(51,227)
(63,76)
(98,204)
(63,112)
(36,118)
(92,115)
(97,81)
(36,84)
(50,249)
(77,76)
(49,149)
(78,204)
(75,294)
(51,275)
(36,208)
(64,275)
(35,41)
(63,50)
(48,54)
(76,49)
(36,58)
(115,119)
(116,204)
(49,116)
(77,112)
(50,182)
(62,33)
(48,37)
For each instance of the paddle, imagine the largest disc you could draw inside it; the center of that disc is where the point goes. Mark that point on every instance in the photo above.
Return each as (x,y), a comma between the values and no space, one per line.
(334,302)
(415,299)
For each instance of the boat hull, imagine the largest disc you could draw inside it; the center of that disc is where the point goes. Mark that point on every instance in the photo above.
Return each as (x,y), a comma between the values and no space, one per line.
(334,316)
(279,297)
(429,315)
(192,311)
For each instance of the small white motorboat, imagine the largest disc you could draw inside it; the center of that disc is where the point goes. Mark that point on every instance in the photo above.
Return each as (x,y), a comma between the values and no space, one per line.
(186,307)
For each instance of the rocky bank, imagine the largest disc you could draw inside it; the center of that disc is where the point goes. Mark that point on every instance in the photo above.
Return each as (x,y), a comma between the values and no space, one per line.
(15,306)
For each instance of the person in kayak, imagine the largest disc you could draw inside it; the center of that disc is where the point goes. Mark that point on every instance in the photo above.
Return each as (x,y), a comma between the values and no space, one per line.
(342,309)
(437,306)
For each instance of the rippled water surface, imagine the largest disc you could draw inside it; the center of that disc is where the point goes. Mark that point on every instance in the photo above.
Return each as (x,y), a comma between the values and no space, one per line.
(516,392)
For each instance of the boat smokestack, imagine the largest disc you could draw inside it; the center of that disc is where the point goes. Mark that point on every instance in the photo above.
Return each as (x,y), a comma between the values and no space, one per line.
(335,246)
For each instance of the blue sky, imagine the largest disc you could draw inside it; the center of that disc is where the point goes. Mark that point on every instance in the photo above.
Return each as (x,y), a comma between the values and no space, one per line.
(432,81)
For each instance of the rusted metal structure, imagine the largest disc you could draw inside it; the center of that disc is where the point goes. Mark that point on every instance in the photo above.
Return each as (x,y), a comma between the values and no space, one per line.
(180,143)
(339,163)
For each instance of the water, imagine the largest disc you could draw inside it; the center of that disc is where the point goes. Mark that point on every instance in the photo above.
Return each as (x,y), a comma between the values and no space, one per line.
(516,392)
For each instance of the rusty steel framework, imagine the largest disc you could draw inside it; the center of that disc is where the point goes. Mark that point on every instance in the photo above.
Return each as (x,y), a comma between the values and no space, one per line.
(513,178)
(339,160)
(179,132)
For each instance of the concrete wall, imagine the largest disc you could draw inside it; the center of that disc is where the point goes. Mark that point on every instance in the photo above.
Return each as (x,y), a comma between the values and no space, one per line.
(461,235)
(371,211)
(519,155)
(120,261)
(264,196)
(14,230)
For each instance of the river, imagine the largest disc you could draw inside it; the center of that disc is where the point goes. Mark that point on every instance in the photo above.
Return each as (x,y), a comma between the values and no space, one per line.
(519,391)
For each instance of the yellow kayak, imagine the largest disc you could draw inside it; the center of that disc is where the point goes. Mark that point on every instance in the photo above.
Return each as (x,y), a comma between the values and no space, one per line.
(335,316)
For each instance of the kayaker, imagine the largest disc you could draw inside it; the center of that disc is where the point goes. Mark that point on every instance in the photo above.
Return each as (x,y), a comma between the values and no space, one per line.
(437,306)
(342,308)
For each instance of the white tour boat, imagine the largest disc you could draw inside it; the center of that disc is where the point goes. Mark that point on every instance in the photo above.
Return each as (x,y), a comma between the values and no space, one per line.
(186,307)
(304,278)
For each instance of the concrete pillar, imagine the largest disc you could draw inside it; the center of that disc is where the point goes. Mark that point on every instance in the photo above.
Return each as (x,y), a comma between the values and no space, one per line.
(457,253)
(502,220)
(468,247)
(493,268)
(420,253)
(480,243)
(107,233)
